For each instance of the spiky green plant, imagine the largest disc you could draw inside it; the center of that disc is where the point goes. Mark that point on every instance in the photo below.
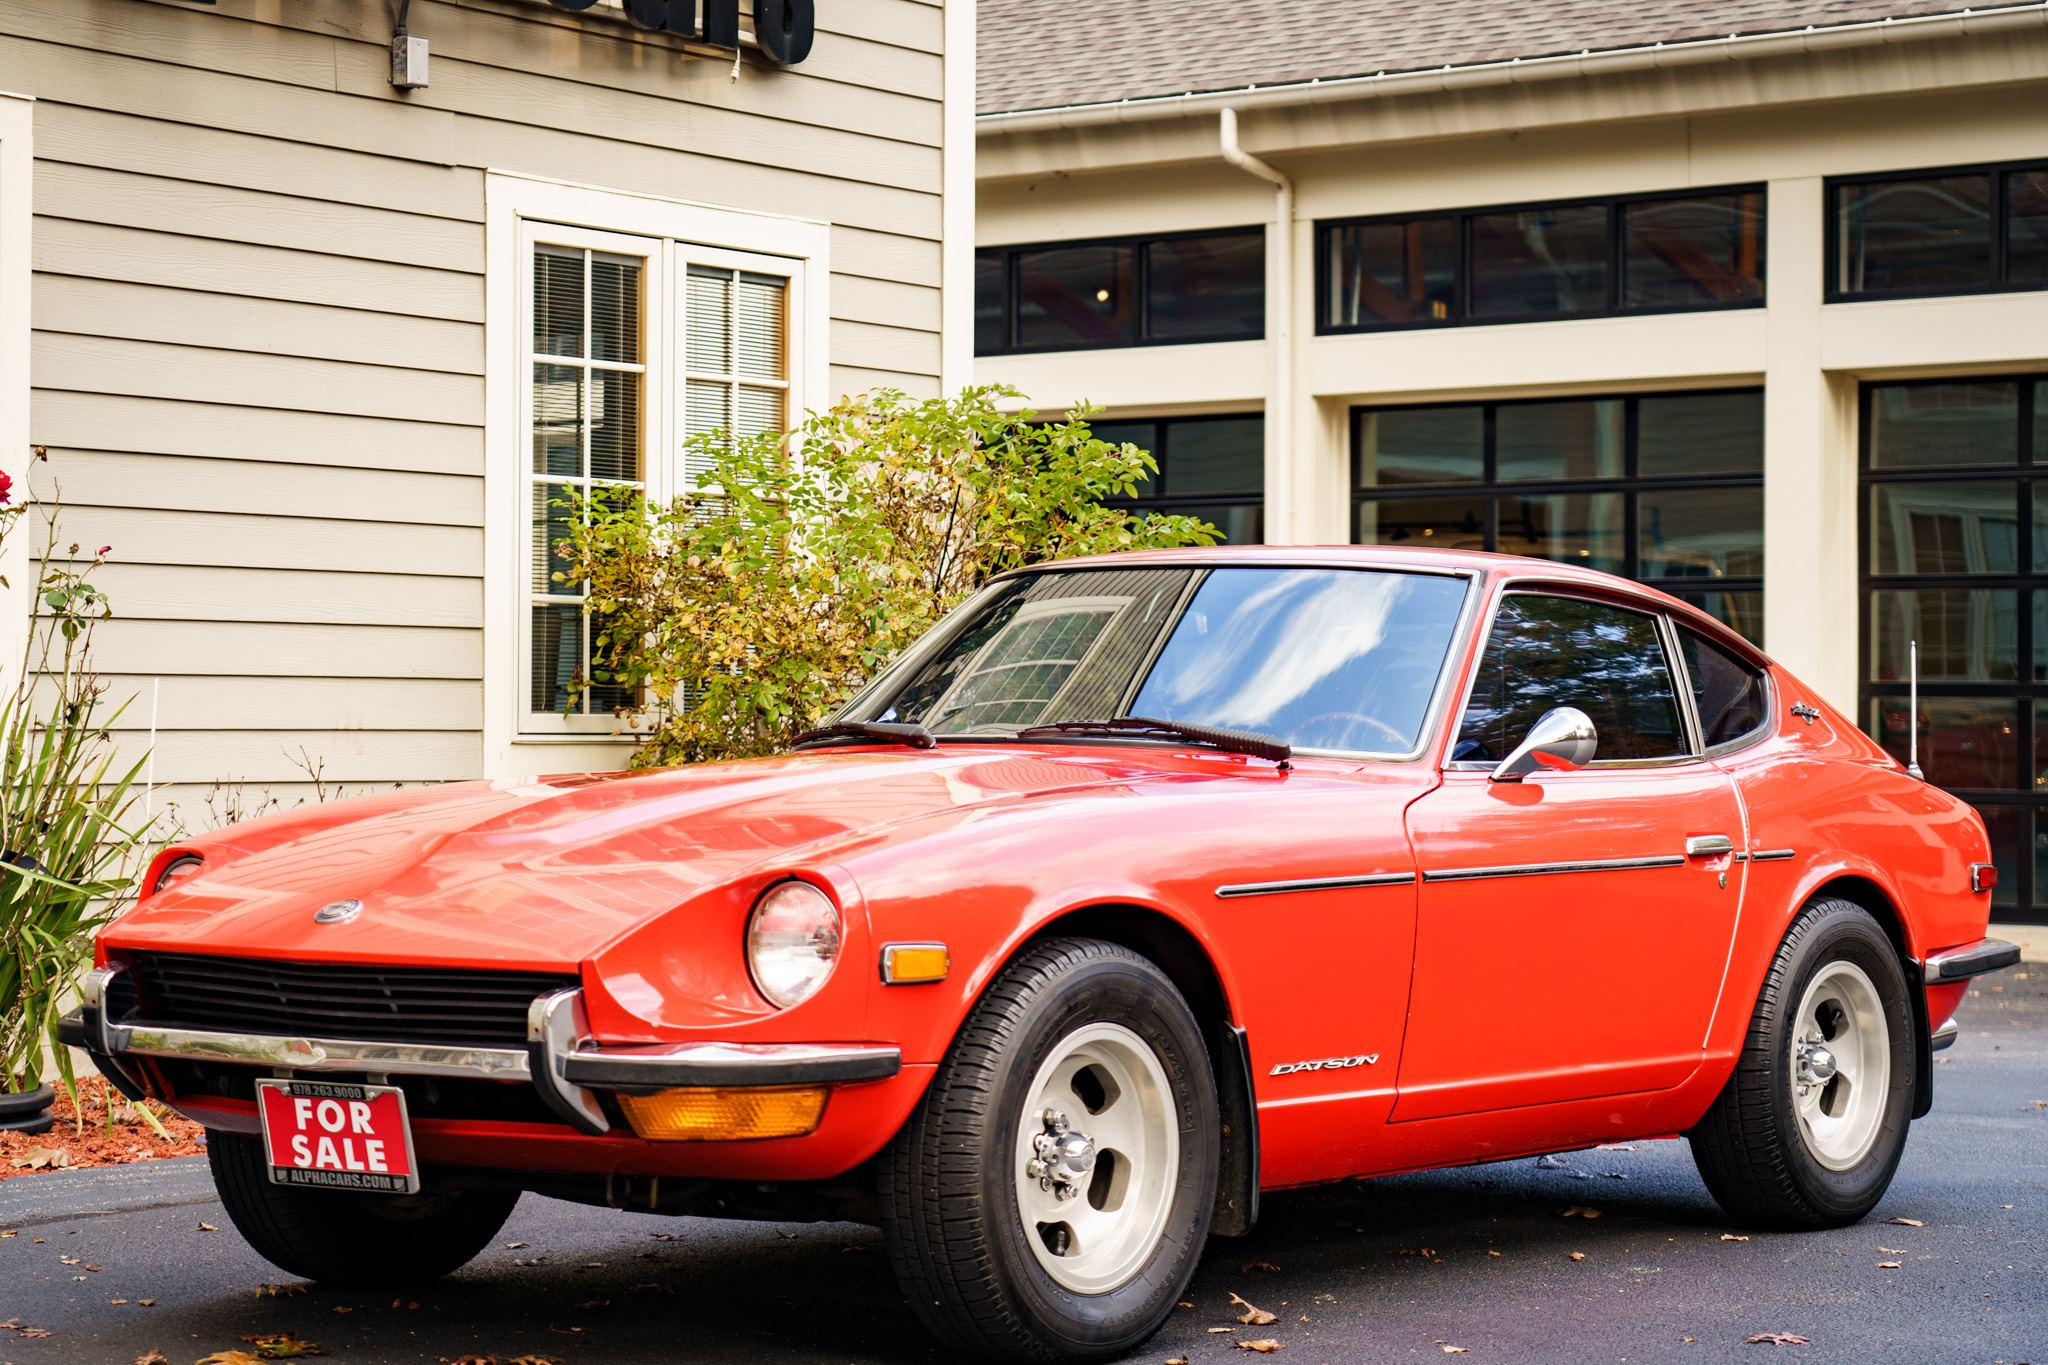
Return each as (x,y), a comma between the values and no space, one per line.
(67,837)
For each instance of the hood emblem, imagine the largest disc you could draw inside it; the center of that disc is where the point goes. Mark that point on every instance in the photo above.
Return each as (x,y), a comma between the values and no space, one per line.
(341,912)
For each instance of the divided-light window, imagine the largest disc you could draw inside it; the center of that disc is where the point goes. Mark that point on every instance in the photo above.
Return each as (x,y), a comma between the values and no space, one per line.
(1955,561)
(636,346)
(1661,253)
(1667,488)
(1915,234)
(1135,291)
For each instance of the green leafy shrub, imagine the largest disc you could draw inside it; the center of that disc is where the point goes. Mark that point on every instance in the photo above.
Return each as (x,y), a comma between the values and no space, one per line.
(755,606)
(67,845)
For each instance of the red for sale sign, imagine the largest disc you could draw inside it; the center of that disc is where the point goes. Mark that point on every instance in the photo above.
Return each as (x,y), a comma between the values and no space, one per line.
(343,1137)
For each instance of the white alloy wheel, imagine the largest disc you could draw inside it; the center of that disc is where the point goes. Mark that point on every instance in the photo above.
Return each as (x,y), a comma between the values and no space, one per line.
(1841,1063)
(1097,1158)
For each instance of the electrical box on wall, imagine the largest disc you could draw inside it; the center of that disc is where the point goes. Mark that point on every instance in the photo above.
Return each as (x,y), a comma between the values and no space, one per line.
(409,62)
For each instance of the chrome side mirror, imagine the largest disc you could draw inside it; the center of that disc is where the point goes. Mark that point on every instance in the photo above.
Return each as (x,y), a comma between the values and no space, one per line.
(1562,738)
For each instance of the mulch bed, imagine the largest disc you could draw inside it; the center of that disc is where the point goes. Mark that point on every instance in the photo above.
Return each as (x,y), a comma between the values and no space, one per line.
(101,1129)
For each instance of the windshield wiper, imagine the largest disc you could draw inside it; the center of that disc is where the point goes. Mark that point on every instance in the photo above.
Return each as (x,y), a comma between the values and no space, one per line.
(880,731)
(1144,727)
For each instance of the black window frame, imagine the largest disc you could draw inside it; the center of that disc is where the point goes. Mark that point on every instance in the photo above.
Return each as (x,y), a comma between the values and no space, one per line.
(1461,312)
(1629,483)
(1161,497)
(2000,236)
(1141,271)
(2027,472)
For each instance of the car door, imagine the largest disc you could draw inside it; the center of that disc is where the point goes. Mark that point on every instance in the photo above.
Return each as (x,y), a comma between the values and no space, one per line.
(1573,926)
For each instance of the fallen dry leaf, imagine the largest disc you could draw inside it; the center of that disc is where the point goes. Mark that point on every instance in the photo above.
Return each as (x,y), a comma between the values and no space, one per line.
(42,1158)
(1265,1346)
(283,1346)
(1176,1360)
(145,1303)
(1906,1222)
(152,1358)
(1889,1265)
(230,1358)
(677,1237)
(1456,1350)
(1776,1339)
(279,1291)
(1579,1211)
(1221,1331)
(515,1246)
(34,1333)
(1253,1316)
(208,1227)
(5,1233)
(1261,1268)
(1578,1255)
(69,1260)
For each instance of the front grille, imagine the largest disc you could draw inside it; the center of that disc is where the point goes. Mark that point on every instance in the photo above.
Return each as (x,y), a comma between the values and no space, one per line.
(382,1004)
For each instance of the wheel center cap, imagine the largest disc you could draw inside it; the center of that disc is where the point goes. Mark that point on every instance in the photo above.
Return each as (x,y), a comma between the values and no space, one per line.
(1061,1158)
(1816,1065)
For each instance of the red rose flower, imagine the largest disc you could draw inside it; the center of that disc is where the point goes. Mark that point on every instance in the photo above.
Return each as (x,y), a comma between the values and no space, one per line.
(6,486)
(105,550)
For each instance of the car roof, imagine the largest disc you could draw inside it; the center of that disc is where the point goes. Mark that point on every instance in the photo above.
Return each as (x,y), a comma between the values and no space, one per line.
(1515,569)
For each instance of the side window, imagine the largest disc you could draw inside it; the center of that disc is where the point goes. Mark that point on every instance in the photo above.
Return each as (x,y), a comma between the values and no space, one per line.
(1729,694)
(1566,651)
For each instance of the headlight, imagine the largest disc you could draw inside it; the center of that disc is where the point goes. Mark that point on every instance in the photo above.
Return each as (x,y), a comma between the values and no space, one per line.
(792,942)
(176,870)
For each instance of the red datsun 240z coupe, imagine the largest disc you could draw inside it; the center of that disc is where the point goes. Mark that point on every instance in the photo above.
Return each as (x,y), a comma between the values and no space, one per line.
(1139,886)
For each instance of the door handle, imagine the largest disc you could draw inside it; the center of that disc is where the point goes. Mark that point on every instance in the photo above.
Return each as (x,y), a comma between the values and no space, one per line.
(1708,846)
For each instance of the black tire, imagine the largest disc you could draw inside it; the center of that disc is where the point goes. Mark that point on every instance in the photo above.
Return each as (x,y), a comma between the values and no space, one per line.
(345,1238)
(1749,1147)
(951,1213)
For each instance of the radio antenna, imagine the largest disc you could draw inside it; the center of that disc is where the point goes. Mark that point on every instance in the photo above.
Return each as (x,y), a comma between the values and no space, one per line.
(1913,709)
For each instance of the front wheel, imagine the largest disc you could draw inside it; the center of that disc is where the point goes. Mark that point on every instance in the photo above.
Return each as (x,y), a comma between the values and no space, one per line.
(1051,1194)
(347,1238)
(1812,1124)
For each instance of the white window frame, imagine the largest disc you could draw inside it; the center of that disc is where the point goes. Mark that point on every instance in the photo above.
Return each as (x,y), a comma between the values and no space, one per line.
(670,235)
(17,186)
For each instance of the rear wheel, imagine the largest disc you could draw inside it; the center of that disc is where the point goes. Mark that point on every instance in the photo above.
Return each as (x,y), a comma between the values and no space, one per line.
(342,1237)
(1812,1124)
(1050,1197)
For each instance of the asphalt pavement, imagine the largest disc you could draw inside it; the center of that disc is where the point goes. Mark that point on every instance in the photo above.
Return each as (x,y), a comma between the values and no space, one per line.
(1481,1263)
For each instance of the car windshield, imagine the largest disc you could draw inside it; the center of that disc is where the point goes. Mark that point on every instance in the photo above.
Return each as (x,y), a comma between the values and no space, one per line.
(1343,660)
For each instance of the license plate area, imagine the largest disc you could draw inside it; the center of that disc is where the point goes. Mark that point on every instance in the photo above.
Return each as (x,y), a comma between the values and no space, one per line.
(323,1135)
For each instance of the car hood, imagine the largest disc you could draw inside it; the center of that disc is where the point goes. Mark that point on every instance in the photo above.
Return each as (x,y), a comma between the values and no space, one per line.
(543,873)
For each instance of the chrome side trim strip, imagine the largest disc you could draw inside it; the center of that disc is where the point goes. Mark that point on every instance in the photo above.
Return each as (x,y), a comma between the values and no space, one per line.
(1773,855)
(1314,884)
(1472,874)
(320,1054)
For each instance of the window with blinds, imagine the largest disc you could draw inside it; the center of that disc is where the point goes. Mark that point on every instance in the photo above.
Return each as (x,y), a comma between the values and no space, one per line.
(638,347)
(738,354)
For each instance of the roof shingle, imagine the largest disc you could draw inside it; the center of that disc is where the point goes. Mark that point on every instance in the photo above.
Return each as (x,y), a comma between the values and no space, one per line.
(1041,54)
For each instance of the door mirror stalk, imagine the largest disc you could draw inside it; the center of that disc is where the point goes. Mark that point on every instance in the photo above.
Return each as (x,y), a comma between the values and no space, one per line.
(1563,738)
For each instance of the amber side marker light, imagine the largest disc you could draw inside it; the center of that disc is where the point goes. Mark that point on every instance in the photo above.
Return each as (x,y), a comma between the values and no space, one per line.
(725,1115)
(910,964)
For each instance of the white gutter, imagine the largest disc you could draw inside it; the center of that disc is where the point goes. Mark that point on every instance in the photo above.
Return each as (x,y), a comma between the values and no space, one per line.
(1997,21)
(1279,451)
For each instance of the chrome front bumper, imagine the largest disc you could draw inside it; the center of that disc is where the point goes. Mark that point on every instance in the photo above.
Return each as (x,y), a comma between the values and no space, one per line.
(560,1060)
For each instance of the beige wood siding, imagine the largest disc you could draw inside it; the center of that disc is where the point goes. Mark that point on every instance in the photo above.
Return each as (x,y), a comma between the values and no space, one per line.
(258,309)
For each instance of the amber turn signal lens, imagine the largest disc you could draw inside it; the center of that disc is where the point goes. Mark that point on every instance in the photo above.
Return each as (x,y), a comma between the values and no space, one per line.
(725,1115)
(906,964)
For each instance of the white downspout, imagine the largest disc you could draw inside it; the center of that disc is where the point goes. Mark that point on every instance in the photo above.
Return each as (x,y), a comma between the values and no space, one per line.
(1279,338)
